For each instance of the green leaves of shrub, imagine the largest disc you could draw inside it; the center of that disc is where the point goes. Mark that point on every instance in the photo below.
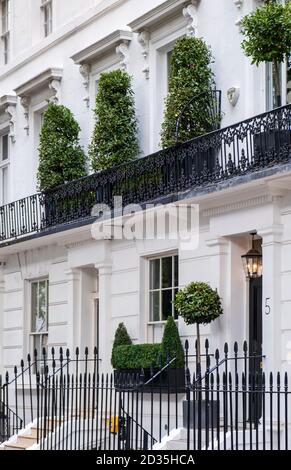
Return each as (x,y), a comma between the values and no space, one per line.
(61,159)
(190,75)
(136,356)
(114,139)
(267,32)
(198,303)
(171,344)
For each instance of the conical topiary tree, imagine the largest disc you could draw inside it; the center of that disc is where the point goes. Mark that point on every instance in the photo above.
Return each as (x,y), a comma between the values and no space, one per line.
(121,337)
(190,75)
(114,139)
(61,159)
(171,344)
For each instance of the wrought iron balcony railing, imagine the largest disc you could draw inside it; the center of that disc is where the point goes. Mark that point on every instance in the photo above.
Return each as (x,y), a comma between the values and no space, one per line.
(249,146)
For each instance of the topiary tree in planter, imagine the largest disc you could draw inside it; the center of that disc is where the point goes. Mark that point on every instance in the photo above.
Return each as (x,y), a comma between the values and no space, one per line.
(267,32)
(190,75)
(61,158)
(198,304)
(121,338)
(171,345)
(114,139)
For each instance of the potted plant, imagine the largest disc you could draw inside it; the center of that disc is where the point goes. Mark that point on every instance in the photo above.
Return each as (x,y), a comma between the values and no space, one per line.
(114,139)
(267,36)
(147,361)
(198,304)
(191,76)
(61,159)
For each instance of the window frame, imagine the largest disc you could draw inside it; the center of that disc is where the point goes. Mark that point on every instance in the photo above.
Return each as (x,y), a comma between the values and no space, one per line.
(173,287)
(47,17)
(4,166)
(5,30)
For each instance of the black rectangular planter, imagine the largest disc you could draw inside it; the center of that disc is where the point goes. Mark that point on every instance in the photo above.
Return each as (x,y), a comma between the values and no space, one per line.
(204,415)
(169,381)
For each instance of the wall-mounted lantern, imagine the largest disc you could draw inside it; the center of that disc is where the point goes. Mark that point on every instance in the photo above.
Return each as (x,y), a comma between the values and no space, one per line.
(253,261)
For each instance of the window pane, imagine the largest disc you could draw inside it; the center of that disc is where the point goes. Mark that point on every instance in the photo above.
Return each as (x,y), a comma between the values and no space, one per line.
(4,155)
(176,271)
(155,274)
(39,306)
(4,185)
(42,312)
(154,306)
(167,272)
(34,287)
(166,304)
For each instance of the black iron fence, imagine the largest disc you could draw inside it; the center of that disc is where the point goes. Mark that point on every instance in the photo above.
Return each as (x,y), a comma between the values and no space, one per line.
(224,403)
(251,145)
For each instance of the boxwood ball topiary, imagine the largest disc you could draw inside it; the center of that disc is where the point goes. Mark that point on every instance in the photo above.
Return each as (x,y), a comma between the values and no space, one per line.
(267,37)
(198,303)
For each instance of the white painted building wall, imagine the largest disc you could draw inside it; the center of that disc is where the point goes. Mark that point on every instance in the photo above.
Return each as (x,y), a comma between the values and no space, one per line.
(80,268)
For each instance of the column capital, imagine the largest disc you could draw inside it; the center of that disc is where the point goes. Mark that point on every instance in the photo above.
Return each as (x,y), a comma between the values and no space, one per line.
(220,243)
(272,234)
(73,274)
(104,268)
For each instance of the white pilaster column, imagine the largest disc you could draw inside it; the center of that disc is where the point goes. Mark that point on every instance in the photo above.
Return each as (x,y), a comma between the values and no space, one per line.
(105,271)
(272,338)
(219,279)
(2,287)
(74,309)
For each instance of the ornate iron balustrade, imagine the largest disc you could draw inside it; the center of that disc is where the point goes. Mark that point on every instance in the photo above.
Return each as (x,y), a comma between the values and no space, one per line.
(243,148)
(207,105)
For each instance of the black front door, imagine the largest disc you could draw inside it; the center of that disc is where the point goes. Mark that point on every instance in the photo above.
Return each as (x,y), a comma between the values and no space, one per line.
(255,348)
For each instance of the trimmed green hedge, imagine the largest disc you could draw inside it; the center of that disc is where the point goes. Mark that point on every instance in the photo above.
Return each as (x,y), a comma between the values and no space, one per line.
(136,356)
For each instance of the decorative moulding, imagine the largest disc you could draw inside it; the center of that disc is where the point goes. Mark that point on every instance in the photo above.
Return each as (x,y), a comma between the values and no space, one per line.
(8,106)
(85,70)
(190,13)
(157,15)
(93,52)
(233,95)
(238,3)
(144,40)
(25,103)
(49,78)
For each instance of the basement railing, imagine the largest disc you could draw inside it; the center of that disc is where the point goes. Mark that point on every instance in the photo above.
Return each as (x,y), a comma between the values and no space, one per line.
(247,147)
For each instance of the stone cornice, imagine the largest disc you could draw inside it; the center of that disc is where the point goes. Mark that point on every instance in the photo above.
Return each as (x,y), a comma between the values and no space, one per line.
(7,100)
(158,15)
(255,201)
(93,52)
(46,79)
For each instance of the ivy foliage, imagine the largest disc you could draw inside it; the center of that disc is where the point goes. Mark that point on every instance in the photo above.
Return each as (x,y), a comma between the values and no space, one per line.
(114,139)
(198,303)
(267,33)
(190,75)
(61,158)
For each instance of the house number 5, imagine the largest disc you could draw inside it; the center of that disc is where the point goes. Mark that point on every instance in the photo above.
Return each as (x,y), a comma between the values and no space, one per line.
(267,306)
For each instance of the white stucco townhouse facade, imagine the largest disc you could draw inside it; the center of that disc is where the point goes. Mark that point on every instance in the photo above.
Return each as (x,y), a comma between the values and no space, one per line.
(53,50)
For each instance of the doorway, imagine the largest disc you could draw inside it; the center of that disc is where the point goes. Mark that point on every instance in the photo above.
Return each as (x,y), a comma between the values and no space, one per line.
(255,348)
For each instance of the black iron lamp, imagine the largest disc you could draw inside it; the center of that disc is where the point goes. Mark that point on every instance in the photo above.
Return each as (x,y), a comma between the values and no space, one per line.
(253,261)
